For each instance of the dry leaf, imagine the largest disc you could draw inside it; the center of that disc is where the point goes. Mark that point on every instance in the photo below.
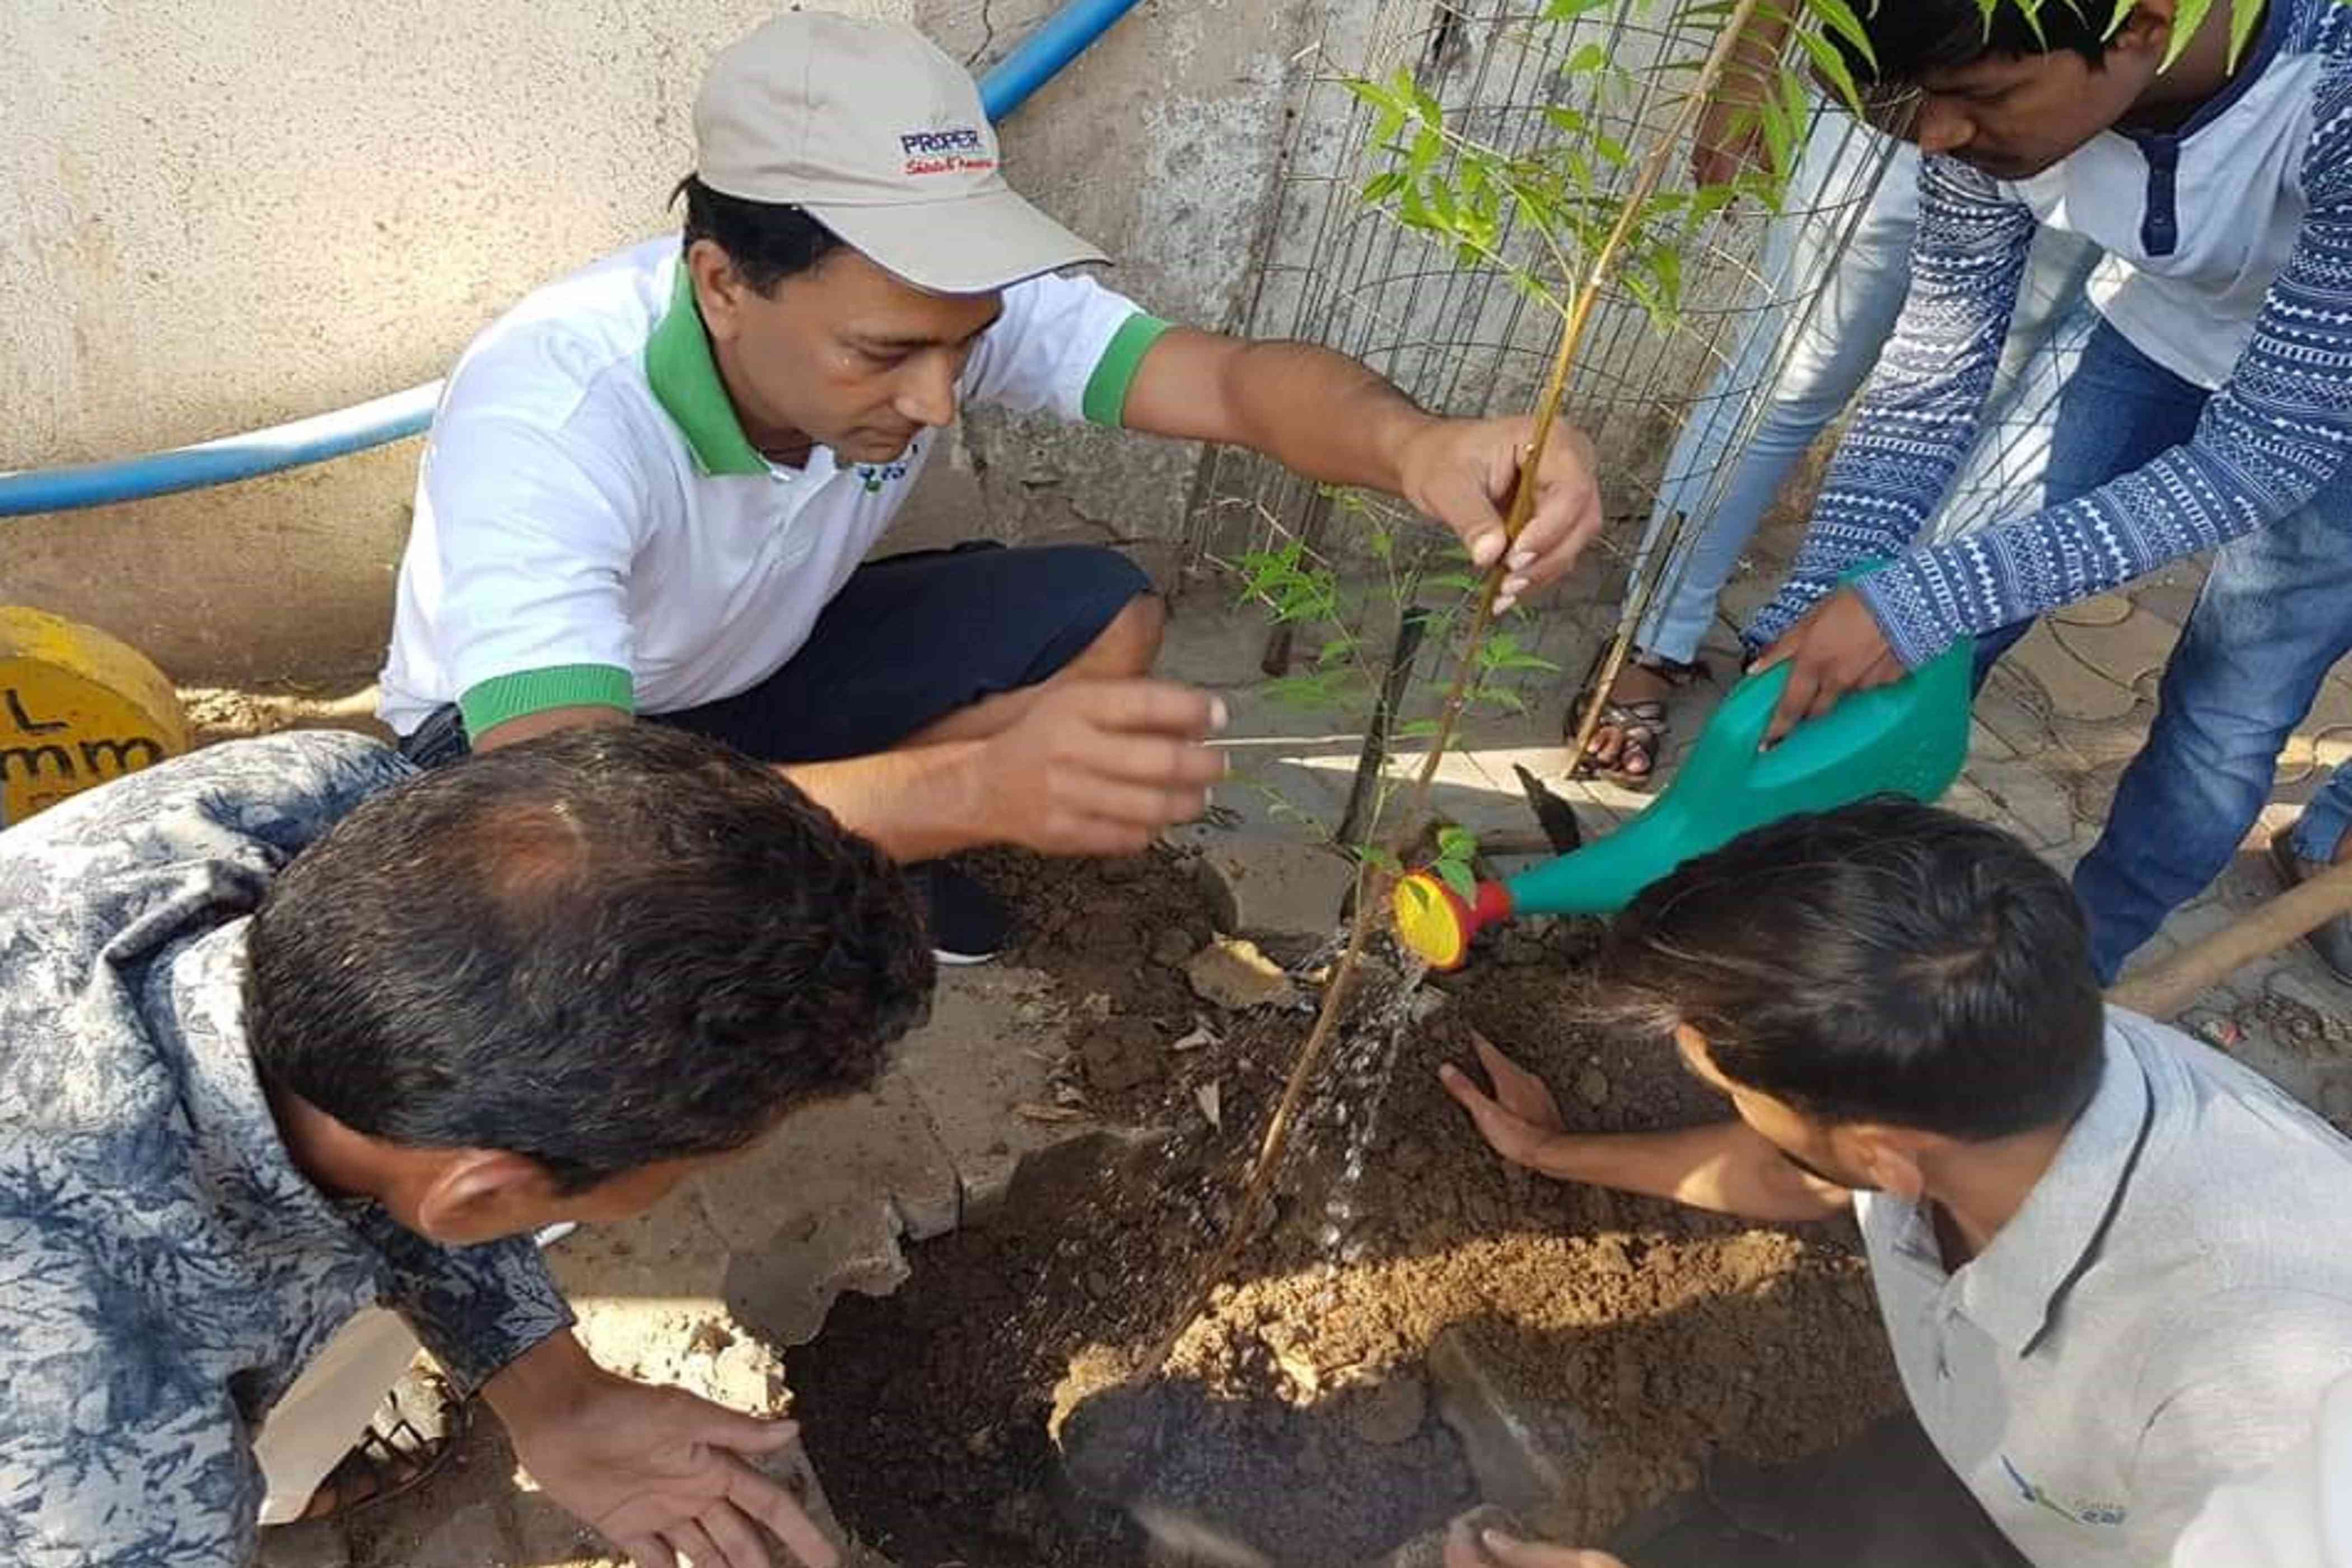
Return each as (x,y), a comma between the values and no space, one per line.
(1211,1103)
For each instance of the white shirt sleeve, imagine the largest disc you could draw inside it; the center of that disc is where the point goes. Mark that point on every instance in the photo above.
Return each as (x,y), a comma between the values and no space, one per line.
(533,539)
(2296,1514)
(1044,352)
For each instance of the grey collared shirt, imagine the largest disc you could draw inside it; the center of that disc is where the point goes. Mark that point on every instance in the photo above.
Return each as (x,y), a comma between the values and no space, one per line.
(2162,1313)
(165,1270)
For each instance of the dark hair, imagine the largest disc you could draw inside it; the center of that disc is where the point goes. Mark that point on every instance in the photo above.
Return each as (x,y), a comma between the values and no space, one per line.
(767,242)
(1887,962)
(1916,38)
(602,948)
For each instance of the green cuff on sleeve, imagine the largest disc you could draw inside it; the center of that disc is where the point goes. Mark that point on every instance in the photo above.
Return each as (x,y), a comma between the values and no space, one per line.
(1105,397)
(490,703)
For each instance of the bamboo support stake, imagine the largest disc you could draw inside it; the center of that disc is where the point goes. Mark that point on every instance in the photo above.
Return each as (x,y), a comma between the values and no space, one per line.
(1260,1182)
(1571,339)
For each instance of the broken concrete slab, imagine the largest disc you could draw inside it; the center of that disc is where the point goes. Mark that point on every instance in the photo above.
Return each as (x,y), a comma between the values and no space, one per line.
(1522,1450)
(823,1206)
(1260,885)
(994,1036)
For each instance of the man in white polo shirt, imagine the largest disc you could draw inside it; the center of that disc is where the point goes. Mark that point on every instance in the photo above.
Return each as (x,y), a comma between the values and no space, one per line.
(2109,1258)
(652,488)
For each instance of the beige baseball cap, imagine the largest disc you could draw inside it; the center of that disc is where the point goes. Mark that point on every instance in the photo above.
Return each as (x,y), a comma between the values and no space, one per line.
(873,130)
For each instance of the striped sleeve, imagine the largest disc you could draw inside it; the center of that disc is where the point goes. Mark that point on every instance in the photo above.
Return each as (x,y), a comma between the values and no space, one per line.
(1920,410)
(2278,430)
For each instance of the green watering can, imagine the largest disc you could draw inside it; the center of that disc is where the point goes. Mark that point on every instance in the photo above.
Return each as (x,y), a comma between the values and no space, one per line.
(1907,738)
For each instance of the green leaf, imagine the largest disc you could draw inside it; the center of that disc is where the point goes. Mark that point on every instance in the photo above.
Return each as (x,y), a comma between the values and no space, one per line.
(1504,698)
(1453,582)
(1667,263)
(1832,64)
(1567,122)
(1589,57)
(1839,16)
(2245,15)
(2188,17)
(1427,146)
(1381,186)
(1456,876)
(1456,844)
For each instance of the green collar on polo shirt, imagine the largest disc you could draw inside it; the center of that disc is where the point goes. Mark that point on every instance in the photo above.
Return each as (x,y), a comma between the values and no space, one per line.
(685,381)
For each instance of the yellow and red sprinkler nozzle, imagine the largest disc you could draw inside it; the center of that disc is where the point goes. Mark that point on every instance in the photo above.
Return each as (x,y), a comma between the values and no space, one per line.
(1438,923)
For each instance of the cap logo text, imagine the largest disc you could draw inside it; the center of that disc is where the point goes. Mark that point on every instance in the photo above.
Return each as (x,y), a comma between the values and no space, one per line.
(956,149)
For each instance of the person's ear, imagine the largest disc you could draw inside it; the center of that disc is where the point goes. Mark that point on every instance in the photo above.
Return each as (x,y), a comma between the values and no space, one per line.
(720,289)
(1885,1156)
(481,1194)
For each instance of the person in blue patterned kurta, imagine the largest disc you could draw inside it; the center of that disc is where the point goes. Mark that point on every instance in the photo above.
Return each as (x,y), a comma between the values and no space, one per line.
(2211,409)
(287,1033)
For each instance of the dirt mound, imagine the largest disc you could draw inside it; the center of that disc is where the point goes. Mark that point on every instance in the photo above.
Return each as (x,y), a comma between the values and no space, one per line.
(1298,1417)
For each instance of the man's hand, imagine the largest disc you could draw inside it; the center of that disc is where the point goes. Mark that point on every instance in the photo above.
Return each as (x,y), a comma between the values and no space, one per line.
(1098,767)
(1469,1548)
(657,1471)
(1519,1118)
(1835,649)
(1461,472)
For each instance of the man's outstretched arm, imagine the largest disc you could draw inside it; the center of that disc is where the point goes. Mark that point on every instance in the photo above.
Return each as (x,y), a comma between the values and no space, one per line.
(1332,419)
(1726,1167)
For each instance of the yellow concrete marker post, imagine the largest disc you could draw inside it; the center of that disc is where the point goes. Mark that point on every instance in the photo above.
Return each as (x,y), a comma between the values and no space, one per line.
(77,707)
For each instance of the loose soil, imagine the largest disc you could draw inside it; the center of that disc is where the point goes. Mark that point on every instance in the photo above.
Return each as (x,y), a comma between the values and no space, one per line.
(1297,1416)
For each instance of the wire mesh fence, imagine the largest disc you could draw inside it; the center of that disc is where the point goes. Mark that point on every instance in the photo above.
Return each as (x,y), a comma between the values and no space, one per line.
(1698,419)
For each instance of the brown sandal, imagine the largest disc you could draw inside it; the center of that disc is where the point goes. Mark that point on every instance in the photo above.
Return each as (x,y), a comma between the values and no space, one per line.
(395,1455)
(1642,725)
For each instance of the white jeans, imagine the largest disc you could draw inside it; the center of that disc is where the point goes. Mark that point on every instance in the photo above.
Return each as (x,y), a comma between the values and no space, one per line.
(329,1405)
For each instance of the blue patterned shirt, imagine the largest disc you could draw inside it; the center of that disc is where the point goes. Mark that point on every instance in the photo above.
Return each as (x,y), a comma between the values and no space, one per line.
(2230,262)
(165,1270)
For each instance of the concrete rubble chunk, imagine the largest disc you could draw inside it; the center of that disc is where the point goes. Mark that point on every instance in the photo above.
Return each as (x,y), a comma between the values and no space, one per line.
(1522,1449)
(1232,974)
(825,1205)
(991,1042)
(1269,886)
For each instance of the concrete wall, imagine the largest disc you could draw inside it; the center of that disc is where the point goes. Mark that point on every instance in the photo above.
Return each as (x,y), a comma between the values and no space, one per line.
(216,217)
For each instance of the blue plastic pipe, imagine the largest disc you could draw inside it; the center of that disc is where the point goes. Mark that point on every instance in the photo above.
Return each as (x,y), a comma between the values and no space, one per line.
(1058,40)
